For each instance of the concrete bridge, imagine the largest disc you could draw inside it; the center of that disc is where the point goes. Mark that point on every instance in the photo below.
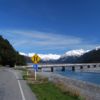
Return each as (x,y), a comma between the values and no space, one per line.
(73,67)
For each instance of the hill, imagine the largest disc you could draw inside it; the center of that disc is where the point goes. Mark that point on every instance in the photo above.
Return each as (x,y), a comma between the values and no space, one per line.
(92,56)
(78,56)
(8,55)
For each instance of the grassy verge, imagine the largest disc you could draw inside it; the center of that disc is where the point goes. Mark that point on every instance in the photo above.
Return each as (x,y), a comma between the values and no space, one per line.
(46,90)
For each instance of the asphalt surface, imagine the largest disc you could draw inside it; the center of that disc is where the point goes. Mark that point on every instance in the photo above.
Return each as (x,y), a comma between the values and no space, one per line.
(13,87)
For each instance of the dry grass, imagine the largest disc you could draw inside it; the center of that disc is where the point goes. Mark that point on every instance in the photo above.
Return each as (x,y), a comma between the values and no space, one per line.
(68,89)
(30,77)
(65,89)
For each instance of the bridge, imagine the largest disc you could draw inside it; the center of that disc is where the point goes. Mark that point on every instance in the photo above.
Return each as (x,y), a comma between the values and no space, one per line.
(73,67)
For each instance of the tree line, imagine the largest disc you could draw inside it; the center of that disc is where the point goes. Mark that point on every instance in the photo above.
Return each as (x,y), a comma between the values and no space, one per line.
(8,55)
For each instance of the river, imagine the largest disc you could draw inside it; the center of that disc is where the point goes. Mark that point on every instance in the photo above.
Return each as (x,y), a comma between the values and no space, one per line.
(91,77)
(85,76)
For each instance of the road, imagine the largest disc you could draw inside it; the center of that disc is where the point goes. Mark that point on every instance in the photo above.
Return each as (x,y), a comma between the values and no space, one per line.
(13,87)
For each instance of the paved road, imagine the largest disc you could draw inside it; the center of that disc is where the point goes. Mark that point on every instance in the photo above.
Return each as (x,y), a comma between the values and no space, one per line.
(12,87)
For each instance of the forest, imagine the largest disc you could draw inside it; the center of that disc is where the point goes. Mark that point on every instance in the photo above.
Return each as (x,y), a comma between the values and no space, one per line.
(8,55)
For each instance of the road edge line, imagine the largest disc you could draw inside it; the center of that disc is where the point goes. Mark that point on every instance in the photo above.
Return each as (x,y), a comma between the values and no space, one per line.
(20,87)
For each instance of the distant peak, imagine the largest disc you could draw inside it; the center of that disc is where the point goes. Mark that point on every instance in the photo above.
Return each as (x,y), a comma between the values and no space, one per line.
(77,52)
(97,48)
(45,57)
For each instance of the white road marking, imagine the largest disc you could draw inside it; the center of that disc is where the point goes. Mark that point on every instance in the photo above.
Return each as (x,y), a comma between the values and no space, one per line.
(20,87)
(21,90)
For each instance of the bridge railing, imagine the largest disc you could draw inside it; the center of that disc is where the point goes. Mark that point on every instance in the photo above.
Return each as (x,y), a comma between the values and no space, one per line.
(73,67)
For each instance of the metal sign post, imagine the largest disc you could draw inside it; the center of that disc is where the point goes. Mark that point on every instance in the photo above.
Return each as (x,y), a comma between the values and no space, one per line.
(36,69)
(36,59)
(35,75)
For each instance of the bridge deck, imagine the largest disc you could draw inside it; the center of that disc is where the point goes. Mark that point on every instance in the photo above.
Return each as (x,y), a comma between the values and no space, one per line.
(67,65)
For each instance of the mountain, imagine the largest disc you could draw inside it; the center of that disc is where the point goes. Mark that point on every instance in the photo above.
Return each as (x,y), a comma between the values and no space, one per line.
(44,57)
(48,57)
(8,55)
(92,56)
(81,56)
(74,53)
(71,56)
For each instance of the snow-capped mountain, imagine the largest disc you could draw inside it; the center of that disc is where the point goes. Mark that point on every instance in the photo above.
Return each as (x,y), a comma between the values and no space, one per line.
(44,57)
(77,52)
(73,56)
(97,48)
(47,57)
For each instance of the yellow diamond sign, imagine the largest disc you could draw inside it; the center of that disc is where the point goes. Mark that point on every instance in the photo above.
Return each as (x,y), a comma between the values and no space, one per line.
(36,59)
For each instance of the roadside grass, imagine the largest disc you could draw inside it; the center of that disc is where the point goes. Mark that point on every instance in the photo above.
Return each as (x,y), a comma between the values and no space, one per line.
(24,73)
(46,90)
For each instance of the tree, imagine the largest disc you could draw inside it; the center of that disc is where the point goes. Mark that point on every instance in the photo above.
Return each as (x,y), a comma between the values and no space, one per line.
(8,55)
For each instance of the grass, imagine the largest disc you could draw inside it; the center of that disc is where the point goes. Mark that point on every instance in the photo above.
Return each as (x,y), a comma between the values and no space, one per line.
(25,75)
(45,90)
(48,91)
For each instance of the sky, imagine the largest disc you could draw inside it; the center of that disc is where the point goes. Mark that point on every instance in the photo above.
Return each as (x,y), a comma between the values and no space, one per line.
(50,26)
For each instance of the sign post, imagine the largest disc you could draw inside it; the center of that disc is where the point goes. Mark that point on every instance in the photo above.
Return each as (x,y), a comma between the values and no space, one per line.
(36,59)
(36,69)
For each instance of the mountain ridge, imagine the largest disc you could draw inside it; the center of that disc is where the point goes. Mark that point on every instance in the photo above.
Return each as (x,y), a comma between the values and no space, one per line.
(79,56)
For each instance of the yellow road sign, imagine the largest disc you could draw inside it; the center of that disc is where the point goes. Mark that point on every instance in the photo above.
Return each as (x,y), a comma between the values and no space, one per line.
(36,59)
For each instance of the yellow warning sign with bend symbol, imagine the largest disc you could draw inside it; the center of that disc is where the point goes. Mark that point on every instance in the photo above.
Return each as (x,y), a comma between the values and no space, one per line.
(36,59)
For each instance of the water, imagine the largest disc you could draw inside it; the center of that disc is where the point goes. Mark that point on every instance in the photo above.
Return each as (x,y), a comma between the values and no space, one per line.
(91,77)
(85,76)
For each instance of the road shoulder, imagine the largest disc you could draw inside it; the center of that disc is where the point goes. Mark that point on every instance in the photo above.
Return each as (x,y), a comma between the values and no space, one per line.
(27,92)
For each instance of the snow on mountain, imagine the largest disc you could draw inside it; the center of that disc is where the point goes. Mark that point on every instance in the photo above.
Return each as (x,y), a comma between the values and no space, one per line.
(97,48)
(47,57)
(44,57)
(78,52)
(24,54)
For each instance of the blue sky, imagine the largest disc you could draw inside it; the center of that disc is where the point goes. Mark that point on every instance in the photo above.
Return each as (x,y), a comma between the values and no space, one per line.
(50,26)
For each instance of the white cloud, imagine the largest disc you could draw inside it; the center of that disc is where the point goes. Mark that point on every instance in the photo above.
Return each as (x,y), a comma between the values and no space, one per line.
(43,39)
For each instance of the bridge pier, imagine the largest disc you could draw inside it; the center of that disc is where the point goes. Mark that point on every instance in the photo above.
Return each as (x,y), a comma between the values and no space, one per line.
(63,68)
(39,69)
(52,69)
(88,66)
(81,67)
(94,66)
(73,68)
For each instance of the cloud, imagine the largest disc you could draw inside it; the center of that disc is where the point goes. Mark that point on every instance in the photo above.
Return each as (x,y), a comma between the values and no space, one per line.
(30,41)
(42,39)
